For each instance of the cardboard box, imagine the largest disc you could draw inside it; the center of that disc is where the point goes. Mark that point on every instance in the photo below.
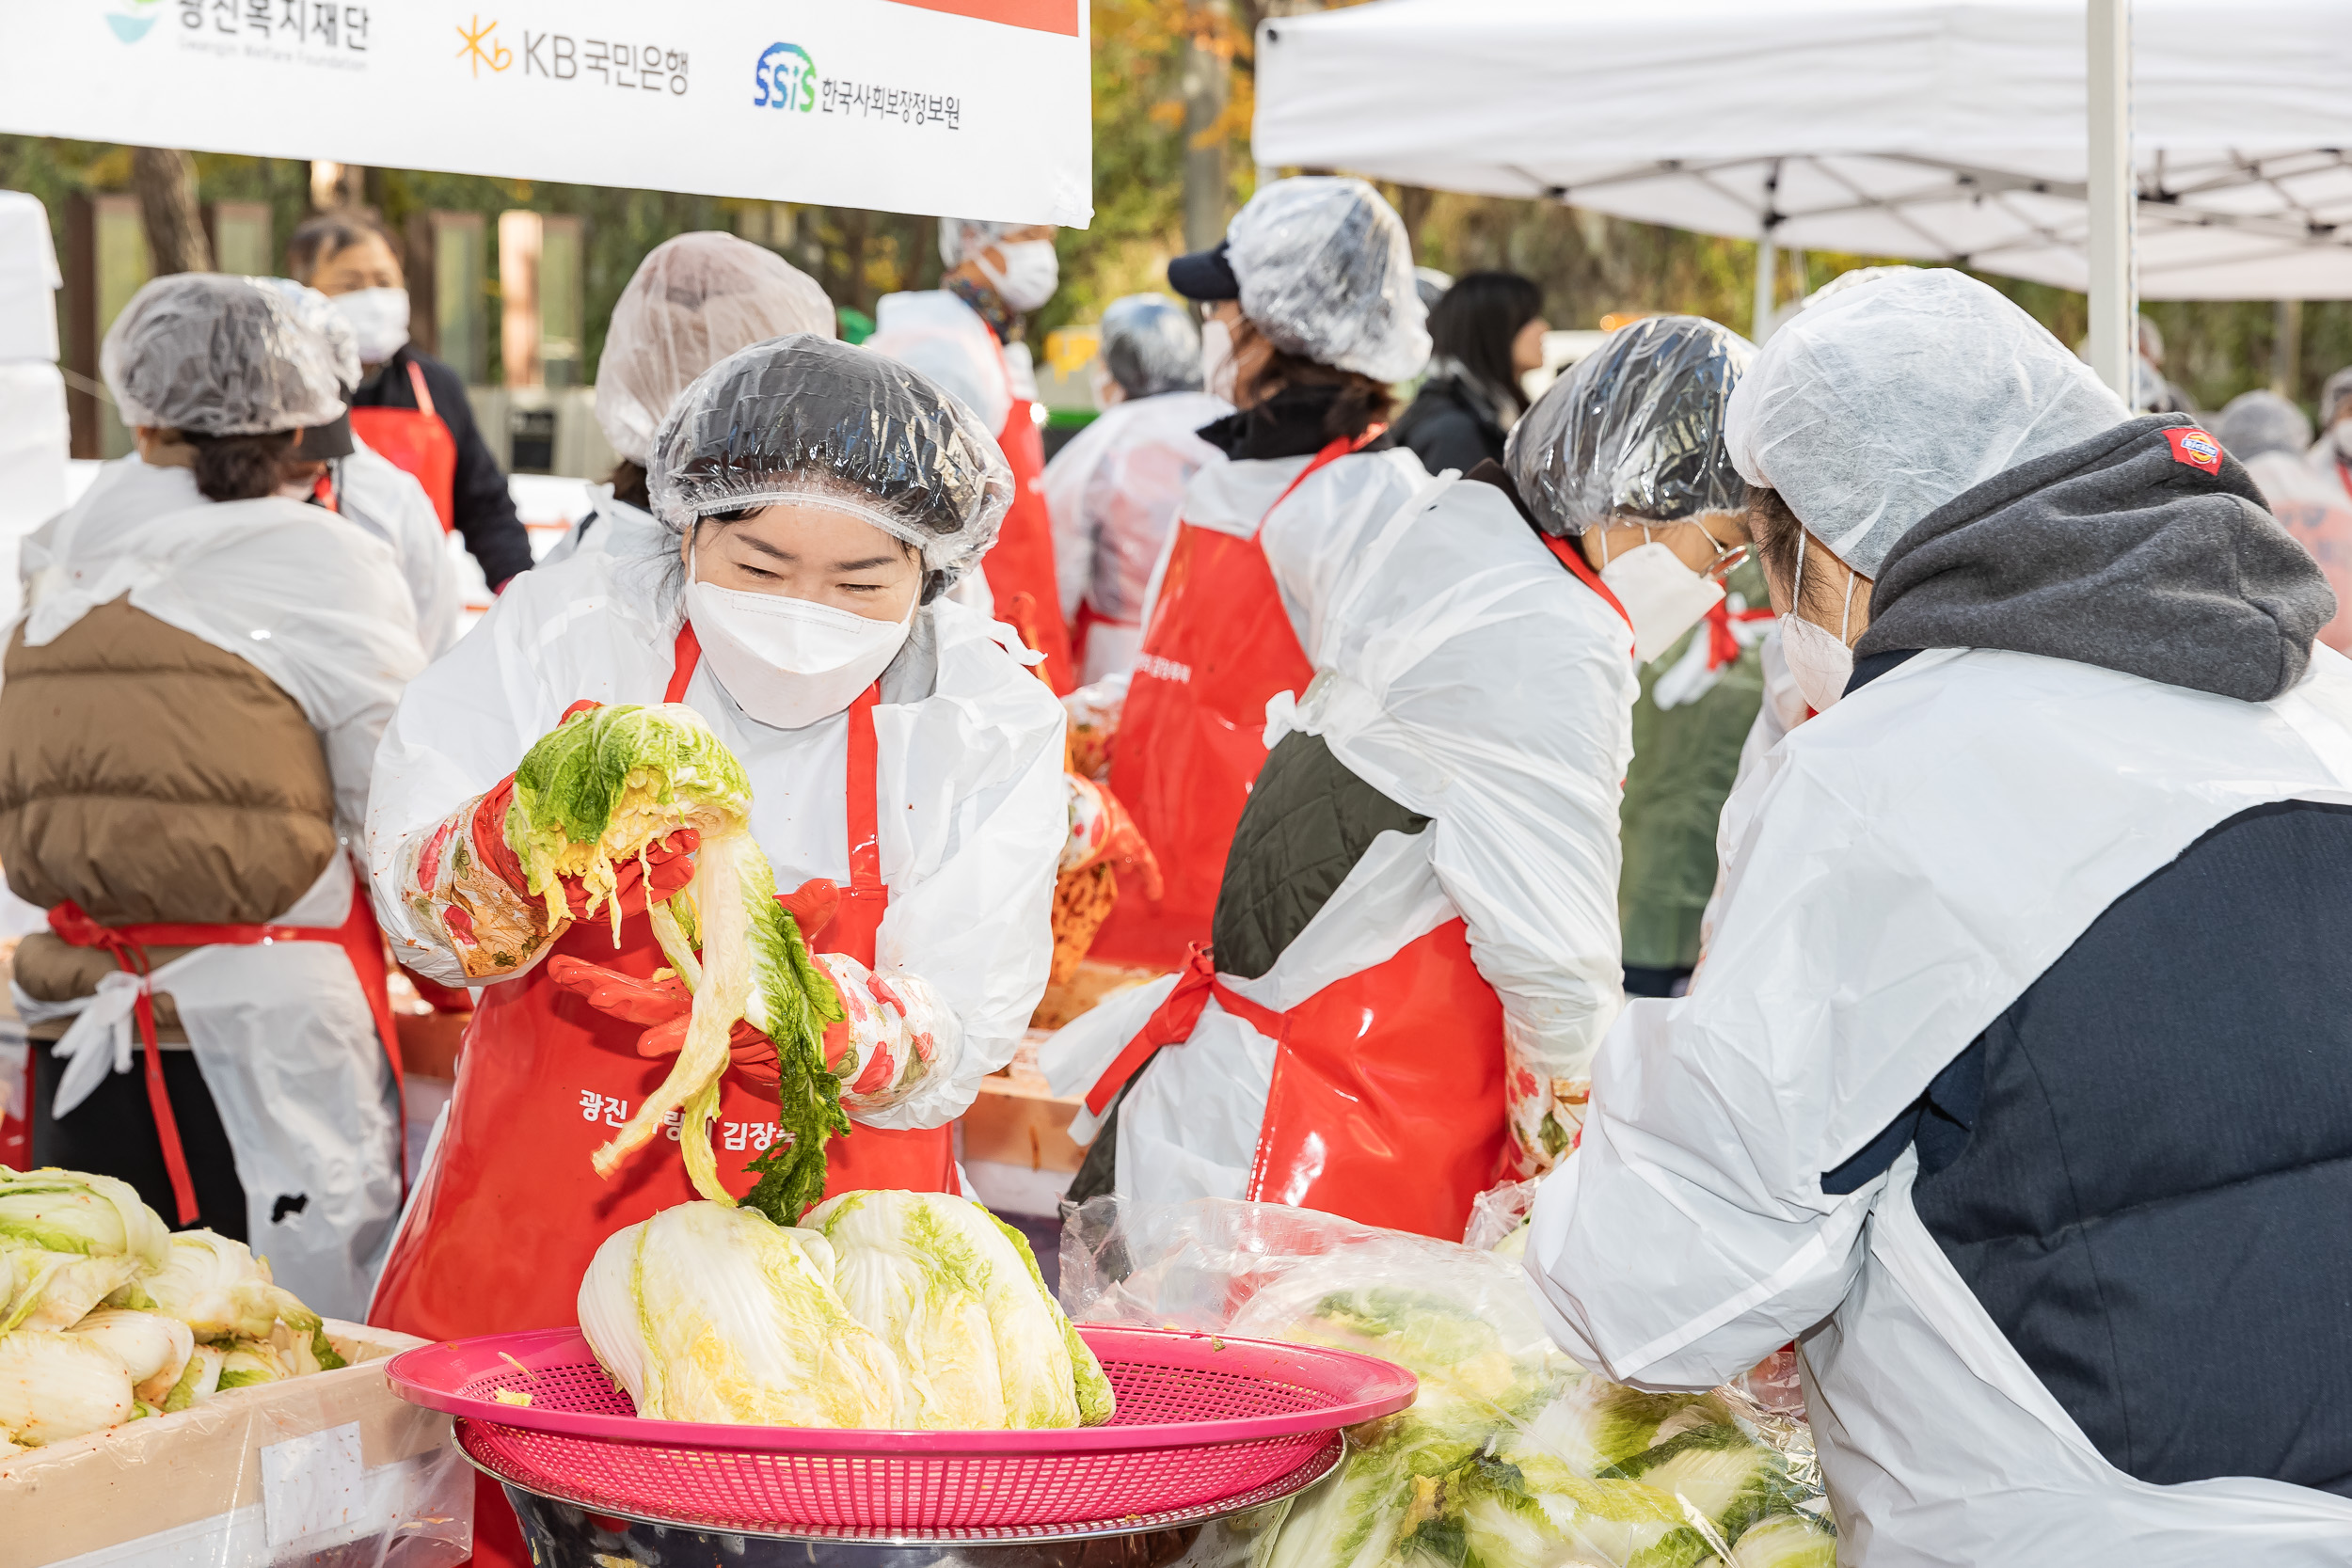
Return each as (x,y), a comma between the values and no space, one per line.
(330,1469)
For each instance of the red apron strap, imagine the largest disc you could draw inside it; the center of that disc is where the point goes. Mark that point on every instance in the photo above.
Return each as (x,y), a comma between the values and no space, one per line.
(865,899)
(682,663)
(129,944)
(424,393)
(1173,1021)
(1573,559)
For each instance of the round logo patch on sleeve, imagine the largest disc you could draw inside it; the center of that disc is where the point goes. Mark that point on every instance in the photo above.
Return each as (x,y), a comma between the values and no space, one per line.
(2196,448)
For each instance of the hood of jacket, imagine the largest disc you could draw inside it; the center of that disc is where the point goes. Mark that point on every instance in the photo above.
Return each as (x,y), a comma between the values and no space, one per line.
(2145,549)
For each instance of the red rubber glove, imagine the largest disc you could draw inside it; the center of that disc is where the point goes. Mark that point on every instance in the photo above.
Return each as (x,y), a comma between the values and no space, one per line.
(812,905)
(665,1006)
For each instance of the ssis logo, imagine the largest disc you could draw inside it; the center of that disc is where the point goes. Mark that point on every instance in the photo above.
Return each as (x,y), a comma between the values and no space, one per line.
(131,18)
(785,78)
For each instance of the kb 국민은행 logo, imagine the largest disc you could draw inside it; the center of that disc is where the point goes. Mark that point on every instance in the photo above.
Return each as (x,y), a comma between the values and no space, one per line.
(785,78)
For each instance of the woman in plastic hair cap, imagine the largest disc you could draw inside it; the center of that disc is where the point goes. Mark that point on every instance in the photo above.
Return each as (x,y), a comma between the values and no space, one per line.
(191,710)
(906,776)
(2069,832)
(693,300)
(1313,316)
(1414,925)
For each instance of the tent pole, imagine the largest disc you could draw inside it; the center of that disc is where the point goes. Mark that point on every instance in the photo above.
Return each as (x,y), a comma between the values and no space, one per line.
(2113,200)
(1767,255)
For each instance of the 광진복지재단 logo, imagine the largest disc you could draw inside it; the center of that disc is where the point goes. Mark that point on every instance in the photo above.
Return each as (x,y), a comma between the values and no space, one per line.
(785,78)
(131,18)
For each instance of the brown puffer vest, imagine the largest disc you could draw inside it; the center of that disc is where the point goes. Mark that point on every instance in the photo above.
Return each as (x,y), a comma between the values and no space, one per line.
(149,776)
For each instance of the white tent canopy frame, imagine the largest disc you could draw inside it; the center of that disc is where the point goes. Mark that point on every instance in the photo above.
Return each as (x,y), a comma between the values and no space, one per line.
(1919,129)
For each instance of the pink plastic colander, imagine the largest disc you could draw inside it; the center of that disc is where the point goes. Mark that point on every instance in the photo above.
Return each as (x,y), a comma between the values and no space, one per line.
(1202,1421)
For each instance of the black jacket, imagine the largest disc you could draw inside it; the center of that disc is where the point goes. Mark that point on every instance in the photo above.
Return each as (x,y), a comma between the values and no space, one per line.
(484,510)
(1448,426)
(2143,1168)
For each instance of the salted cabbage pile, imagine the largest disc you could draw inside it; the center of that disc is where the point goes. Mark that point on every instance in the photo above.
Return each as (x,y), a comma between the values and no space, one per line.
(885,1309)
(106,1317)
(599,790)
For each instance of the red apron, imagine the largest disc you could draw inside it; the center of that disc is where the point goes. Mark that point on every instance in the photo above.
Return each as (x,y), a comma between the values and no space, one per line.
(1389,1102)
(1193,736)
(415,440)
(1022,559)
(359,936)
(509,1212)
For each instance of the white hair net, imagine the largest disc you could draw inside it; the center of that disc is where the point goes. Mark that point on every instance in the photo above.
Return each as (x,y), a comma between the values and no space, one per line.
(221,356)
(2335,393)
(1635,430)
(815,422)
(2255,422)
(1326,272)
(939,334)
(1870,409)
(694,300)
(960,239)
(1150,345)
(318,313)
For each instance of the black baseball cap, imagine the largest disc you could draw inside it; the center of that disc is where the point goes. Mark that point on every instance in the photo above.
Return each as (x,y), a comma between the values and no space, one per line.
(324,442)
(1204,275)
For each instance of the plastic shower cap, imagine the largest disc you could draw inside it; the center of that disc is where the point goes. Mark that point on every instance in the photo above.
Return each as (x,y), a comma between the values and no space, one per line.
(2335,396)
(809,420)
(960,239)
(1150,346)
(318,313)
(221,356)
(1326,272)
(1872,408)
(1635,429)
(2255,422)
(694,300)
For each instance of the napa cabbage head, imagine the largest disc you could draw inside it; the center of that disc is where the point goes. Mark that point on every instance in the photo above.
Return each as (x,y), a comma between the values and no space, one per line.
(609,780)
(53,1386)
(712,1313)
(153,1347)
(64,1211)
(221,1291)
(957,1293)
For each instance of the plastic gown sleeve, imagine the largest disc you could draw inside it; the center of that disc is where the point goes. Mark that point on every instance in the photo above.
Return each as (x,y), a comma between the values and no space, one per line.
(1688,1237)
(455,735)
(977,928)
(1503,711)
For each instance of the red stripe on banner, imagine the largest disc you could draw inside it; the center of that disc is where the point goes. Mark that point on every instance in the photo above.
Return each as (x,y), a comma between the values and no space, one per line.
(1046,16)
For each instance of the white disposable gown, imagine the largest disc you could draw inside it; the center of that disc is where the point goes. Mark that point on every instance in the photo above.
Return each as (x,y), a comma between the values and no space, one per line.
(281,1031)
(1113,493)
(387,501)
(1900,871)
(973,809)
(1463,673)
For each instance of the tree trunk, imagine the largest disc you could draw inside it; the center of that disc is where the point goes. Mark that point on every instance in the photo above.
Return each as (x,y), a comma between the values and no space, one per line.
(165,178)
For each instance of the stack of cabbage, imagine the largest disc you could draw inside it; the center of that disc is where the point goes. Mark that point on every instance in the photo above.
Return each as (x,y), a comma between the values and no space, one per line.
(106,1317)
(888,1309)
(598,791)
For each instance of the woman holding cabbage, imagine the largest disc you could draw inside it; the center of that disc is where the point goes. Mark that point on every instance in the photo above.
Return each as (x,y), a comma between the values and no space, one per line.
(540,829)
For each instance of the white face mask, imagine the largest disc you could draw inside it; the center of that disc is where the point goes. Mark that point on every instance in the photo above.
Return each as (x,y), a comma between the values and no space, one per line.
(1027,275)
(789,662)
(1818,660)
(1217,359)
(1663,596)
(379,318)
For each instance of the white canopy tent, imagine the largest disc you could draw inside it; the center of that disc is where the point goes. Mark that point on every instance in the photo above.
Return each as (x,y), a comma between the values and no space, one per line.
(1921,129)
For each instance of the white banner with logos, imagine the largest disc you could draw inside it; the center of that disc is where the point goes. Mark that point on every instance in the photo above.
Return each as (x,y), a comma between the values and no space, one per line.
(966,108)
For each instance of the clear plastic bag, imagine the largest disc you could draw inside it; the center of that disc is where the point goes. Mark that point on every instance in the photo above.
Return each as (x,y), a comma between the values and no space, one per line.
(1512,1455)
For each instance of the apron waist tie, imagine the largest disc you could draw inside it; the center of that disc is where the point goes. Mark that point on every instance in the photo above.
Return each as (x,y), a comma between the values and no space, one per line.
(1173,1021)
(128,944)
